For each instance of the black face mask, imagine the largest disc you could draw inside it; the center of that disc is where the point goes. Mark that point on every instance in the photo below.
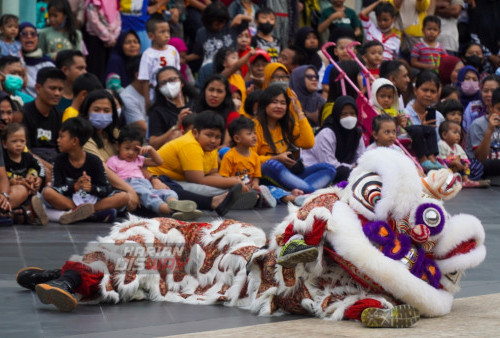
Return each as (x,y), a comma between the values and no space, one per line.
(265,28)
(474,61)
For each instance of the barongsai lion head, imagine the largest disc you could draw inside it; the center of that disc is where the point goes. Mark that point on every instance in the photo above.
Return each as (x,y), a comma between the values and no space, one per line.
(386,225)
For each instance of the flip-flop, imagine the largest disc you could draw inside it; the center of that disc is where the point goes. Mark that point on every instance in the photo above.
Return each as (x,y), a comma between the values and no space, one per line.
(231,198)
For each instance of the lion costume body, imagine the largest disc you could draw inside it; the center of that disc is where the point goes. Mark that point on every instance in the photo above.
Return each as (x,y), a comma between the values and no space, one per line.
(379,237)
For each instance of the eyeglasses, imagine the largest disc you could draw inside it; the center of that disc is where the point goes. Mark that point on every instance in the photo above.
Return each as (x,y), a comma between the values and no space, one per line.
(29,34)
(311,77)
(170,80)
(281,77)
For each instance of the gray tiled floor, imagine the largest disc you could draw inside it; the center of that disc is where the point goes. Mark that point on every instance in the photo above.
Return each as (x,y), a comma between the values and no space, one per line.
(22,314)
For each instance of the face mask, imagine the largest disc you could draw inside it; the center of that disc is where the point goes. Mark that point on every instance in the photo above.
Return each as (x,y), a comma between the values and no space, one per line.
(171,89)
(265,28)
(13,83)
(119,111)
(470,87)
(100,120)
(281,84)
(349,122)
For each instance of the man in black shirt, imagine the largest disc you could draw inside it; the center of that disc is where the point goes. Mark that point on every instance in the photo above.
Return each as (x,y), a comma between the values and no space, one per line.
(41,117)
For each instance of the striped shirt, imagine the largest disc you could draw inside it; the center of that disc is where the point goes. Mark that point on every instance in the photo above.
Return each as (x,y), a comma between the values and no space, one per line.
(391,41)
(427,54)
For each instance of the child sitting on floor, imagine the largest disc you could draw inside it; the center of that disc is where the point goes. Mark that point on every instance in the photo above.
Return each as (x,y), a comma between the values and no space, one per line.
(80,186)
(26,174)
(384,133)
(128,164)
(454,155)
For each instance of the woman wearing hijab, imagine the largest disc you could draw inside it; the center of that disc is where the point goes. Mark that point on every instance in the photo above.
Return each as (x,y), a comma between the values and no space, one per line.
(33,56)
(127,46)
(304,82)
(468,85)
(339,141)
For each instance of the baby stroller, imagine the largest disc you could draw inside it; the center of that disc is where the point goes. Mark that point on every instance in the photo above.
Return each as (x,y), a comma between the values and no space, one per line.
(366,111)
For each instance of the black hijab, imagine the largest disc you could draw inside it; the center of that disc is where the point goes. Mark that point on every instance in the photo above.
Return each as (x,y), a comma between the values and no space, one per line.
(347,140)
(312,53)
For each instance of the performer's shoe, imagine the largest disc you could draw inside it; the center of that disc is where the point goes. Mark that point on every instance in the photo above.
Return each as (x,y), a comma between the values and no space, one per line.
(295,252)
(58,292)
(399,316)
(81,212)
(29,277)
(187,215)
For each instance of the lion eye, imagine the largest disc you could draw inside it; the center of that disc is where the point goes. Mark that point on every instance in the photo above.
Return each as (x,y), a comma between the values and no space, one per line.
(367,190)
(432,217)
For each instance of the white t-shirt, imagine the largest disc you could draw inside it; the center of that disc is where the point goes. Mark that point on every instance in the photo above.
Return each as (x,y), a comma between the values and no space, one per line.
(153,60)
(135,106)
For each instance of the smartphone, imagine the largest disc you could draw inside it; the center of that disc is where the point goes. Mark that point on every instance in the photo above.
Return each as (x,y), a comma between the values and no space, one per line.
(431,114)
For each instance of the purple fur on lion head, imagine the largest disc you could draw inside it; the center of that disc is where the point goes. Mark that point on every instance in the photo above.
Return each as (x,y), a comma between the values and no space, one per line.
(432,216)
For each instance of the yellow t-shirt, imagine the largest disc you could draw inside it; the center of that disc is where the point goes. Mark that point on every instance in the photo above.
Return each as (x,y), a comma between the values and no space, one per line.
(235,164)
(303,136)
(415,28)
(184,154)
(69,113)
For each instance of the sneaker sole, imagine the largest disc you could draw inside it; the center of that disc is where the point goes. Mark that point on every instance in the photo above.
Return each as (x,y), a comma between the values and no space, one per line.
(61,299)
(24,269)
(400,316)
(246,201)
(83,212)
(182,205)
(304,256)
(267,196)
(187,216)
(38,208)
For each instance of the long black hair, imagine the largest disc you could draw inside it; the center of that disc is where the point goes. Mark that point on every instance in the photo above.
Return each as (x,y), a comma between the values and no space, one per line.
(352,70)
(70,25)
(84,112)
(286,122)
(227,104)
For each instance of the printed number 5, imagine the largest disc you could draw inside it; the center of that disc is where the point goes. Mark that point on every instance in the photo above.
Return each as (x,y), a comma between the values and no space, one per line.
(163,61)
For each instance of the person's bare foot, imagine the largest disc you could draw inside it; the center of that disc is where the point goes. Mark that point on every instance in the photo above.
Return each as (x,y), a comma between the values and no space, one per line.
(297,192)
(216,200)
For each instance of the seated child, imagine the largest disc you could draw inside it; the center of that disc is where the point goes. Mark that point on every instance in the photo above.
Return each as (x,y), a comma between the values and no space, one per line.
(453,110)
(372,53)
(26,174)
(80,187)
(128,164)
(454,155)
(384,133)
(241,161)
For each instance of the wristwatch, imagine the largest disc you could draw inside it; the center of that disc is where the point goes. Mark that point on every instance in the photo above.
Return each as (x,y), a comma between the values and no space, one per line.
(7,196)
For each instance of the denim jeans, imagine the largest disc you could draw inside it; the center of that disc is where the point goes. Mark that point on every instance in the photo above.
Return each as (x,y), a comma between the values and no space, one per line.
(311,179)
(150,198)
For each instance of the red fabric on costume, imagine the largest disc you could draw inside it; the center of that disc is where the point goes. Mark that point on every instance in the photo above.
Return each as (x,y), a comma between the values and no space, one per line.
(354,311)
(90,280)
(313,237)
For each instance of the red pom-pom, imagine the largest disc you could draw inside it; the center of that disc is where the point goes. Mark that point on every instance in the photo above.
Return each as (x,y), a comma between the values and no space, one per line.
(420,233)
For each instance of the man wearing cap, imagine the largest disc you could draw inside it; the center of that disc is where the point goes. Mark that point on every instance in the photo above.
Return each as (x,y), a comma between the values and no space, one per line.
(33,57)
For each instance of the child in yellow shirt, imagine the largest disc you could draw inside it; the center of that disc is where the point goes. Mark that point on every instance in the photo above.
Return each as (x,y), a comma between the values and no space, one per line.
(242,162)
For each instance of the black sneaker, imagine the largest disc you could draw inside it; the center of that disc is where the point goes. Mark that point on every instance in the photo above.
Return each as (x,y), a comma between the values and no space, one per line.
(58,292)
(104,216)
(30,276)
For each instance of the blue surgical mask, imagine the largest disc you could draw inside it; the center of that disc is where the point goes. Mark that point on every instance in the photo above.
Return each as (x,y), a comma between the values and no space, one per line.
(13,83)
(100,120)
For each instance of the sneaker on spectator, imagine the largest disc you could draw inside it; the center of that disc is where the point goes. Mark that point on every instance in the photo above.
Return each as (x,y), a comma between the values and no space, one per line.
(268,200)
(104,216)
(246,201)
(81,212)
(187,215)
(39,210)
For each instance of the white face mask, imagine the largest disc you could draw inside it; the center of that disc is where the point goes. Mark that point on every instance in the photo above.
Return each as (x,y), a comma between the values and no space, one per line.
(171,89)
(349,122)
(119,111)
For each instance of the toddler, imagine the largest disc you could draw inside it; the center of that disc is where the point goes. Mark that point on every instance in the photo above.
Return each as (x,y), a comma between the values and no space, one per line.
(9,28)
(427,54)
(372,53)
(129,164)
(383,30)
(23,169)
(454,155)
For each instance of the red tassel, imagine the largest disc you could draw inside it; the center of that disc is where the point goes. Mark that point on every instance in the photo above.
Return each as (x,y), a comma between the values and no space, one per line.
(90,280)
(354,311)
(318,229)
